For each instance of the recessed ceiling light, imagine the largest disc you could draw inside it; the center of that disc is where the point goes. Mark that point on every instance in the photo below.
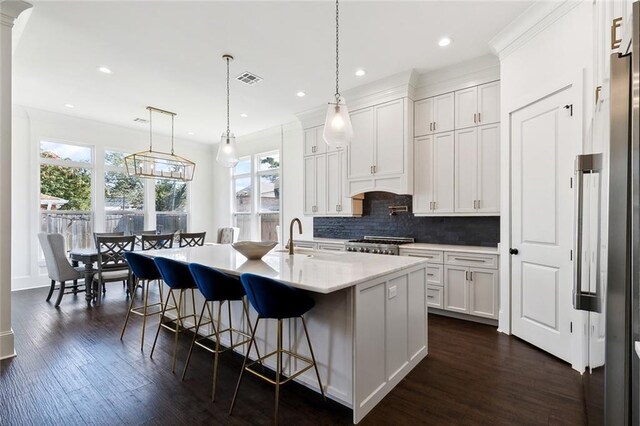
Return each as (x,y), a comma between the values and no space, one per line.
(69,105)
(105,70)
(360,72)
(190,133)
(243,115)
(301,94)
(444,41)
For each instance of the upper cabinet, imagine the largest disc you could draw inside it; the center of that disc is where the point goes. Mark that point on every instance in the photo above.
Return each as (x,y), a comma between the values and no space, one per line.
(313,141)
(477,105)
(434,115)
(433,179)
(380,153)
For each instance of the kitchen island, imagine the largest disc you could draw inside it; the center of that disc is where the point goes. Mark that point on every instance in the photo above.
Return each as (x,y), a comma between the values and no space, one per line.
(369,324)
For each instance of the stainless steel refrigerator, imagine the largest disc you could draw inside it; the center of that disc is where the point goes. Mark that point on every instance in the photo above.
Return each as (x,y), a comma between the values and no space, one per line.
(607,271)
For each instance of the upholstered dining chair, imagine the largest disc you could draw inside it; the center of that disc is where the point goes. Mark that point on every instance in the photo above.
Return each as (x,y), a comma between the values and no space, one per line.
(112,265)
(59,267)
(191,239)
(228,235)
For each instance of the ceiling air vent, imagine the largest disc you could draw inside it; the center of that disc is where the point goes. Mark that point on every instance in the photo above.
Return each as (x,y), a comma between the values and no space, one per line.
(249,78)
(140,120)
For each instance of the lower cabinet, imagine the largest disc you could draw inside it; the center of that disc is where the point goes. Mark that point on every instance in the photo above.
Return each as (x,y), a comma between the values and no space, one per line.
(471,291)
(434,296)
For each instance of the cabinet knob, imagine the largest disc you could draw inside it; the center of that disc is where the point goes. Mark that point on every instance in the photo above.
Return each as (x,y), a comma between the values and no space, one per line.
(513,251)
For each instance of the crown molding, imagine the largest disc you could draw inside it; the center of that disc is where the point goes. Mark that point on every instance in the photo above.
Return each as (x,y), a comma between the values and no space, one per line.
(11,9)
(532,21)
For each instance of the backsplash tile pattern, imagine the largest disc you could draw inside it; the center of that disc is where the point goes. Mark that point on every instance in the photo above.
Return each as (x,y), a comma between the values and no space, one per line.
(473,231)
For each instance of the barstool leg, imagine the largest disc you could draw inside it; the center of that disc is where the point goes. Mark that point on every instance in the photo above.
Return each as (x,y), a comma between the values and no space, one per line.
(313,358)
(216,355)
(230,328)
(245,308)
(178,324)
(244,364)
(164,310)
(126,321)
(278,370)
(193,341)
(145,289)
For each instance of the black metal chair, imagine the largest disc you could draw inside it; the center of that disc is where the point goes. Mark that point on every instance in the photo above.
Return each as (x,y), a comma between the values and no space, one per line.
(112,265)
(156,242)
(192,239)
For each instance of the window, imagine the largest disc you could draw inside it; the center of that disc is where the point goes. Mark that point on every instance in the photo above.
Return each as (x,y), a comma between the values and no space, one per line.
(171,206)
(256,189)
(66,192)
(123,196)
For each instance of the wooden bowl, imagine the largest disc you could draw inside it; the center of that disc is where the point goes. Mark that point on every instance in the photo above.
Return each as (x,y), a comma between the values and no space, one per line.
(254,250)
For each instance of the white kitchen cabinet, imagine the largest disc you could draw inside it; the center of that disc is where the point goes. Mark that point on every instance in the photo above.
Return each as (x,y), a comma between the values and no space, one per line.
(313,141)
(380,154)
(337,202)
(483,292)
(434,174)
(456,289)
(477,105)
(434,296)
(477,171)
(434,115)
(315,184)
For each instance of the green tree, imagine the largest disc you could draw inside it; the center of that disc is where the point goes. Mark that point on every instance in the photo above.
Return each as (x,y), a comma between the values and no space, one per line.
(171,195)
(69,183)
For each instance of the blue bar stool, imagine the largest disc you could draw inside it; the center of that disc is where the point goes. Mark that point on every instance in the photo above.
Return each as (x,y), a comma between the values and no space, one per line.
(219,287)
(144,269)
(178,277)
(275,300)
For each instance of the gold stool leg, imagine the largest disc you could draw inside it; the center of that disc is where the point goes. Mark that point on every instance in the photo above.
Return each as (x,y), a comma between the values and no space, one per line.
(193,341)
(164,310)
(313,358)
(278,370)
(216,355)
(145,289)
(230,328)
(126,321)
(244,364)
(245,308)
(177,331)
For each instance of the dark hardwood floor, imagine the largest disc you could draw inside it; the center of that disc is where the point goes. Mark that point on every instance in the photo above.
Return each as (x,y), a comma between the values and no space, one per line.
(73,369)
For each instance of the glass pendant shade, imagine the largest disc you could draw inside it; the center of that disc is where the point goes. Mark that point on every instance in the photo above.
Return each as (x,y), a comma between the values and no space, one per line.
(227,154)
(337,130)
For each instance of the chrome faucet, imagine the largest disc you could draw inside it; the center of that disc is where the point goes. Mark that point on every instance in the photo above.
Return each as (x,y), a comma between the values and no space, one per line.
(291,233)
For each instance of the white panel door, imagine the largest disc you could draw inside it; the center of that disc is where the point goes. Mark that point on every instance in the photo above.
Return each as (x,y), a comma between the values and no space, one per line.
(321,184)
(466,170)
(483,292)
(443,175)
(334,182)
(309,141)
(423,117)
(466,107)
(443,113)
(361,146)
(423,174)
(489,103)
(489,169)
(309,185)
(389,137)
(544,140)
(456,293)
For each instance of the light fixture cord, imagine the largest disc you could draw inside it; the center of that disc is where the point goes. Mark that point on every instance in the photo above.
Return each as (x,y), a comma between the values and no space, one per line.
(172,117)
(228,131)
(337,52)
(150,130)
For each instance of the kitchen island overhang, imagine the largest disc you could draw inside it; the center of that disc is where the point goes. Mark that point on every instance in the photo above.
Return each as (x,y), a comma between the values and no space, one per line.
(369,325)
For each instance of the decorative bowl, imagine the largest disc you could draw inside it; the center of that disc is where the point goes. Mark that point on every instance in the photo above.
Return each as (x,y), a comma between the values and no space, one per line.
(254,250)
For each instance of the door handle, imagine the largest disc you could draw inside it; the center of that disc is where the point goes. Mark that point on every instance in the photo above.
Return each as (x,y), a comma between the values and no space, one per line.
(474,204)
(470,275)
(513,251)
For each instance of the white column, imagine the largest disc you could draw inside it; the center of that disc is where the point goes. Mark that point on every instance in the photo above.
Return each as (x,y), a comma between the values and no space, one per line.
(9,11)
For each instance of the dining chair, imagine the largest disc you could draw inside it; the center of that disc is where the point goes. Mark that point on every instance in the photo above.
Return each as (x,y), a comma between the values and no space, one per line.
(112,265)
(106,234)
(191,239)
(156,242)
(228,235)
(139,235)
(59,268)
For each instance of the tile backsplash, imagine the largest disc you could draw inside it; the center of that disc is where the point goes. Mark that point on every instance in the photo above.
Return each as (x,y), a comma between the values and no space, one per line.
(473,230)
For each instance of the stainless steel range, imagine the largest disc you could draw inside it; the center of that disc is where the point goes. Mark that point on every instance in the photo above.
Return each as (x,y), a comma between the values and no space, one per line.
(378,245)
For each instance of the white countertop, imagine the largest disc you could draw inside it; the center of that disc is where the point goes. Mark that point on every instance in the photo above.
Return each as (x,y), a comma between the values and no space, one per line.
(450,247)
(314,270)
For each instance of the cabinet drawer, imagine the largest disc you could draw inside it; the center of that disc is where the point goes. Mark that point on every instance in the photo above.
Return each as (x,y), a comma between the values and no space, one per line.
(305,244)
(434,275)
(471,259)
(432,256)
(434,296)
(331,246)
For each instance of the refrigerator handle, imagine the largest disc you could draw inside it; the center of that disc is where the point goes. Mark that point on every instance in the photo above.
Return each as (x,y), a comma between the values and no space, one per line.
(584,300)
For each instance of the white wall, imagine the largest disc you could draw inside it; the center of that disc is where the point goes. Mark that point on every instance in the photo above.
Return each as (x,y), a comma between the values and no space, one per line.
(31,126)
(558,55)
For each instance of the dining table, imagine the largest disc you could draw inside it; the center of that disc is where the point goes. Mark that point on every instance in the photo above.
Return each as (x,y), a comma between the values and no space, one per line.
(86,256)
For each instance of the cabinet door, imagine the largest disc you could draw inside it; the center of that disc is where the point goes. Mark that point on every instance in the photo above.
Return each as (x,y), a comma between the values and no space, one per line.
(423,117)
(423,174)
(489,169)
(489,103)
(466,170)
(466,107)
(443,172)
(321,184)
(361,147)
(483,292)
(389,137)
(334,182)
(309,141)
(456,294)
(309,185)
(443,113)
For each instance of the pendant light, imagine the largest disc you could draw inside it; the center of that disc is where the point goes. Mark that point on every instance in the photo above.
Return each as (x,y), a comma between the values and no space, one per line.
(227,155)
(337,126)
(158,164)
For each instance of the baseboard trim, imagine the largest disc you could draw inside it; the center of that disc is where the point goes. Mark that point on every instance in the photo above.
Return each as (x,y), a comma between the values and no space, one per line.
(465,317)
(7,347)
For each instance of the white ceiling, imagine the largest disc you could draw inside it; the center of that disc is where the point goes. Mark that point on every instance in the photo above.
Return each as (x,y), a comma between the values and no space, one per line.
(168,54)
